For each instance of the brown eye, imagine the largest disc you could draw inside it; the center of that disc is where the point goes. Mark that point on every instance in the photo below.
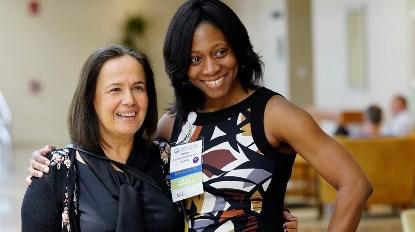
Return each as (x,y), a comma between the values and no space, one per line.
(221,52)
(139,88)
(114,90)
(195,60)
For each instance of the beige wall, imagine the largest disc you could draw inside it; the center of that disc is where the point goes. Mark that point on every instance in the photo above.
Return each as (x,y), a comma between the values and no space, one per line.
(300,52)
(158,14)
(51,48)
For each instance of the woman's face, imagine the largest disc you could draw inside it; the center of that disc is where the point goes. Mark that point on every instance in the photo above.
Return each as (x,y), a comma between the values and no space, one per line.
(120,98)
(213,68)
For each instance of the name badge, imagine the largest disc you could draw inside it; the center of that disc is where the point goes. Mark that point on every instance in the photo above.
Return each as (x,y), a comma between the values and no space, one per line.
(186,170)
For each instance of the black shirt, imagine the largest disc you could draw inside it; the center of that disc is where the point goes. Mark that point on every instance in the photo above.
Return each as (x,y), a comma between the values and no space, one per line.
(96,213)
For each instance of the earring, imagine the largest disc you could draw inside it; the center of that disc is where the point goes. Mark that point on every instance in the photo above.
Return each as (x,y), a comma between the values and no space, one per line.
(186,82)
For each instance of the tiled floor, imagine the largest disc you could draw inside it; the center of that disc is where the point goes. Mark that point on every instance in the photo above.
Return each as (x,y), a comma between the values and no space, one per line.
(13,187)
(12,191)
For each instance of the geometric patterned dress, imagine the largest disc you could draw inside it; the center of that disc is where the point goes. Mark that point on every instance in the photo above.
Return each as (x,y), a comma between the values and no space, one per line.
(244,177)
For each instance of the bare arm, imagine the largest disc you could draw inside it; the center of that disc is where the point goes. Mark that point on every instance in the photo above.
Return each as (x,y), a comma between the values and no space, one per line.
(286,123)
(165,126)
(39,163)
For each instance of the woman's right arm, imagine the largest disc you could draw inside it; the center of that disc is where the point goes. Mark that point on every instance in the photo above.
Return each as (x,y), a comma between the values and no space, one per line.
(39,211)
(39,164)
(165,126)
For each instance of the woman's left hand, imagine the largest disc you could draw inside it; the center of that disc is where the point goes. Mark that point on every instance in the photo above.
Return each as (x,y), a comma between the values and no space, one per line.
(291,222)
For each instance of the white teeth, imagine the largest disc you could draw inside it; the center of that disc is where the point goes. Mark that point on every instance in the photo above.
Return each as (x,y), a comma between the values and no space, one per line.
(215,83)
(126,114)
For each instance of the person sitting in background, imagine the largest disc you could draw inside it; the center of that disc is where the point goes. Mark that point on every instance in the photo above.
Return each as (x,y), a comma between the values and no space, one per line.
(372,123)
(341,129)
(370,127)
(401,123)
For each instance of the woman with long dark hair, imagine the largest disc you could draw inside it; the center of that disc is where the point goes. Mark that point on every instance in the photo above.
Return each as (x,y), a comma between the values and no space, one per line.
(250,134)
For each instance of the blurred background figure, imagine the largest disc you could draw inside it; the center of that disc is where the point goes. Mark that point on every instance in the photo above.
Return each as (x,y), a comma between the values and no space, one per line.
(5,137)
(401,123)
(372,122)
(341,129)
(369,127)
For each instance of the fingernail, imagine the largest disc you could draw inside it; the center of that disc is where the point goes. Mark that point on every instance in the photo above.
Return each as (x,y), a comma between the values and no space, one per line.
(47,162)
(39,174)
(46,169)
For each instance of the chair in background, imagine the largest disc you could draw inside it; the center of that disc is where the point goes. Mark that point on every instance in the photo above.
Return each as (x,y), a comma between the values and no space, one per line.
(351,116)
(389,163)
(303,181)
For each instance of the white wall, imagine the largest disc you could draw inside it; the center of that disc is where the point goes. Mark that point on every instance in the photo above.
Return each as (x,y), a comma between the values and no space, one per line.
(412,55)
(389,66)
(52,47)
(268,36)
(387,52)
(389,57)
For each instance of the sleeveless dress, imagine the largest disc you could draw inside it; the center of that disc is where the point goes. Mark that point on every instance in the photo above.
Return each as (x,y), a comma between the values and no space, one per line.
(244,177)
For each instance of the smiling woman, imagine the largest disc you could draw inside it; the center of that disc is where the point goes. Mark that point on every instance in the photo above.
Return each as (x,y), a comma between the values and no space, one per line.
(120,100)
(98,183)
(250,134)
(213,67)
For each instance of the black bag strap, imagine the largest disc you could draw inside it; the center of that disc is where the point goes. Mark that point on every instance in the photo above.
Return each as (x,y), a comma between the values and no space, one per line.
(127,169)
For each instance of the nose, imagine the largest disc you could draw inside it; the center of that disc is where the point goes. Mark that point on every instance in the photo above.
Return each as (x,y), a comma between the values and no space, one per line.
(211,67)
(128,98)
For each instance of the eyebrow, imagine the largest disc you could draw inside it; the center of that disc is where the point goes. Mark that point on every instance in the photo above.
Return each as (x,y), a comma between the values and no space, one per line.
(118,84)
(216,45)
